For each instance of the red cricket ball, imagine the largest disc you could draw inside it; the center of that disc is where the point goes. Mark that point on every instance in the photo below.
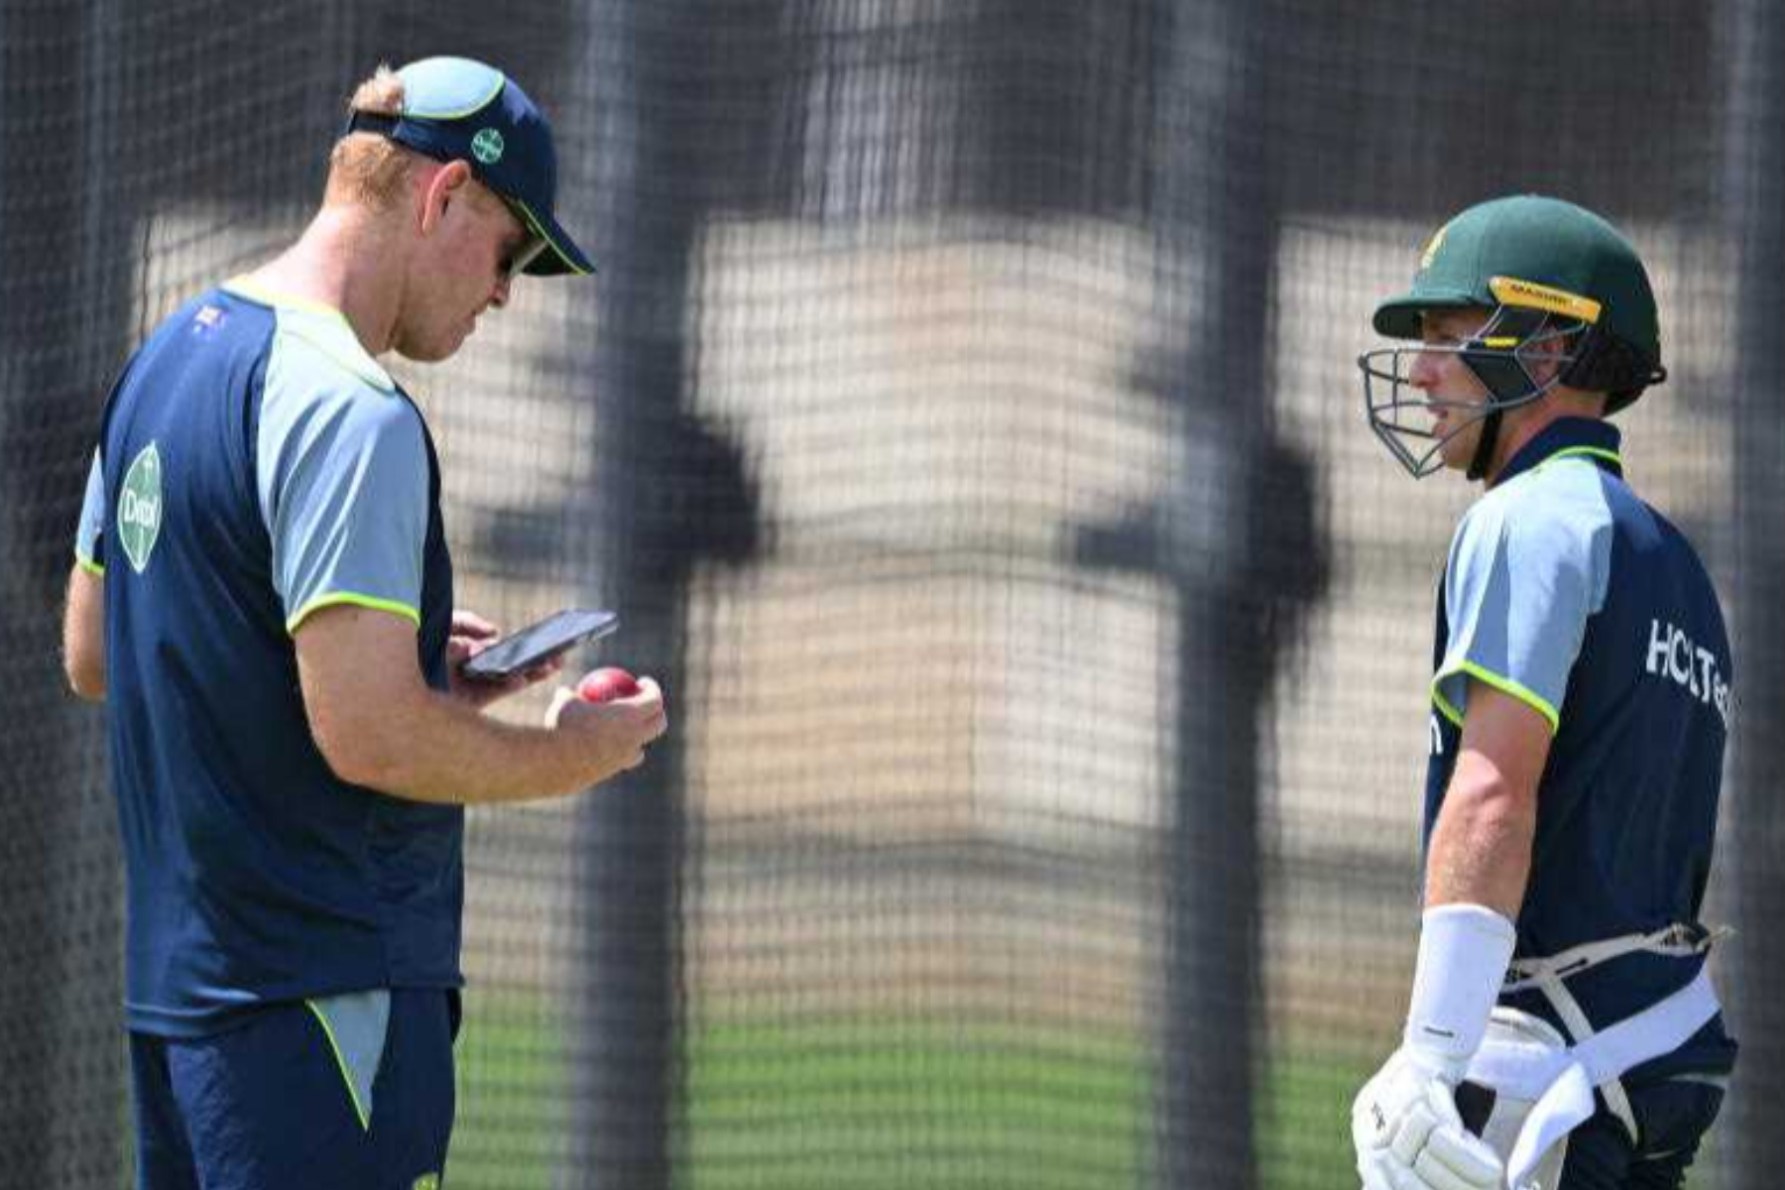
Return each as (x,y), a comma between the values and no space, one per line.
(608,682)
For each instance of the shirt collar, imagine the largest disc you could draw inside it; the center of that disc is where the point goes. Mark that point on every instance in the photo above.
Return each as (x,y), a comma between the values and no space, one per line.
(322,326)
(1568,437)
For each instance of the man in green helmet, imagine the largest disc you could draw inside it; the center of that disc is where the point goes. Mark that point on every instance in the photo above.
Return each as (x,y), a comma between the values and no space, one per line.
(1562,1031)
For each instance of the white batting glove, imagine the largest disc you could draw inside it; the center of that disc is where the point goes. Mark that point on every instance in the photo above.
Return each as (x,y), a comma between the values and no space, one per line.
(1404,1123)
(1408,1135)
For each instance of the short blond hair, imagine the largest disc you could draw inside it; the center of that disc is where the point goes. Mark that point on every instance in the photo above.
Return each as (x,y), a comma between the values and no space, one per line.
(365,168)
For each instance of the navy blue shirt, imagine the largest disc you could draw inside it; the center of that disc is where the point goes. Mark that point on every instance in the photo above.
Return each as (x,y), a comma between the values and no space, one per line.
(1568,592)
(256,464)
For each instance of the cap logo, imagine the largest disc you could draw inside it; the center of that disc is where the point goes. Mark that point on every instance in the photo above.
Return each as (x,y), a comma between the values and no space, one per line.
(487,146)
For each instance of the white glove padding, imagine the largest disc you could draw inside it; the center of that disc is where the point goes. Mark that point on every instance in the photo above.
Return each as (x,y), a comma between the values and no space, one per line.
(1408,1135)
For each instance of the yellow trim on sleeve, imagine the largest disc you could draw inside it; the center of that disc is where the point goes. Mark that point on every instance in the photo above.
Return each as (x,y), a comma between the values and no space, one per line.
(328,1031)
(1443,704)
(356,599)
(89,565)
(1504,685)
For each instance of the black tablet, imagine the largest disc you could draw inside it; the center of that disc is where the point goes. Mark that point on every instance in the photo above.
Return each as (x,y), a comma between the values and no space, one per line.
(540,642)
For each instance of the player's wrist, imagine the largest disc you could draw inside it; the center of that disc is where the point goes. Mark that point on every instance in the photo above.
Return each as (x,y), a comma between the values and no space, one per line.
(1464,951)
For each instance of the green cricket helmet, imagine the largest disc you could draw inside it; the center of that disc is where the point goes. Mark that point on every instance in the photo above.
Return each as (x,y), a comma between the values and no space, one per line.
(1561,286)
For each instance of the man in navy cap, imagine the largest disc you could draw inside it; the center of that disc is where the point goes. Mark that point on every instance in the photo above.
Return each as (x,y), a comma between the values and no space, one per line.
(263,597)
(1562,1031)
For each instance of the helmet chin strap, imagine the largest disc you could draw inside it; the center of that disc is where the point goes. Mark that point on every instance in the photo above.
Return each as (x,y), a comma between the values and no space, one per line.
(1505,391)
(1484,446)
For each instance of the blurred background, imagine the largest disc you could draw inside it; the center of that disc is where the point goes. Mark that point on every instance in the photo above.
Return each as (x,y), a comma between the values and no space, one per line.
(964,423)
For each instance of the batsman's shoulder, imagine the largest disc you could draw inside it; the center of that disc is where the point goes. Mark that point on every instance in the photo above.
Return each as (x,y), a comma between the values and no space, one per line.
(1536,523)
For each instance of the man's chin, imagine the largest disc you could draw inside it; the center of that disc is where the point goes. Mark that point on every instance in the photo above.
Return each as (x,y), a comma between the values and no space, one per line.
(428,353)
(1457,452)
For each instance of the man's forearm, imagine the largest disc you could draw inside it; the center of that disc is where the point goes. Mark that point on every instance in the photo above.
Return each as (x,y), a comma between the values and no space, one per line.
(1480,851)
(379,725)
(83,633)
(433,748)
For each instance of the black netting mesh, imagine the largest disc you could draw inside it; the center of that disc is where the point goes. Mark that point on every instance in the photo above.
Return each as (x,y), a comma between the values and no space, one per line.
(964,422)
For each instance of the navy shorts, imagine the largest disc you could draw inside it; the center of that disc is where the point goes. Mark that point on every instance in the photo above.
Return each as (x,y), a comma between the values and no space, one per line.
(1672,1118)
(349,1092)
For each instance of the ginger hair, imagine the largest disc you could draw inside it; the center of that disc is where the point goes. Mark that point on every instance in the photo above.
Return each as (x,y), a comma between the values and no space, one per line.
(366,169)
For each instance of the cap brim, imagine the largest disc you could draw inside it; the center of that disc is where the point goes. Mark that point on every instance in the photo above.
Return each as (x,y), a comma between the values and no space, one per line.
(1398,317)
(561,256)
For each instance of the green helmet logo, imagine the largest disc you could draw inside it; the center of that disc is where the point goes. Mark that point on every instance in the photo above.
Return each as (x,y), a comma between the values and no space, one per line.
(487,146)
(139,508)
(1432,247)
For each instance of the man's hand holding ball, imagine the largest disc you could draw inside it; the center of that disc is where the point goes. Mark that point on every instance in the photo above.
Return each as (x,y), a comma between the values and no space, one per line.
(620,714)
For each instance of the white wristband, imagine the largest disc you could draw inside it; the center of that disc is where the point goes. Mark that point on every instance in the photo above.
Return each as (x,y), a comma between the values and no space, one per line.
(1463,954)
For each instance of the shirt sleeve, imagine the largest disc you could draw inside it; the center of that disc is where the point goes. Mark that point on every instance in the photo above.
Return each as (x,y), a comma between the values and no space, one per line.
(88,534)
(1518,591)
(343,485)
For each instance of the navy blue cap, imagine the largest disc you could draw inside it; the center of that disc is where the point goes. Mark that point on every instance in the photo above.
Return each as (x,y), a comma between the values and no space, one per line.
(457,109)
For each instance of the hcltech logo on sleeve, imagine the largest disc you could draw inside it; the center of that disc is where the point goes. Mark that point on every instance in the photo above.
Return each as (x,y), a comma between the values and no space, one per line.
(139,508)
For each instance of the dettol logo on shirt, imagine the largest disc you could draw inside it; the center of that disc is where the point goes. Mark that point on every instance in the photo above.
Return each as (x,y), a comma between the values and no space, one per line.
(139,508)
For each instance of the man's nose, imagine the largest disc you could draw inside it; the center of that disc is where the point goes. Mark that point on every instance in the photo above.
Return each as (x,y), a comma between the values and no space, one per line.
(499,297)
(1424,372)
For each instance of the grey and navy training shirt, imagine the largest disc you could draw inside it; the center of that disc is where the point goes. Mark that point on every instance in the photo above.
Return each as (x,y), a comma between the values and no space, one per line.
(256,464)
(1566,591)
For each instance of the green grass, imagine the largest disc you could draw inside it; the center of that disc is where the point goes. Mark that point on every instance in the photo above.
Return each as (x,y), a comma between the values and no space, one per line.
(1304,1121)
(876,1104)
(512,1110)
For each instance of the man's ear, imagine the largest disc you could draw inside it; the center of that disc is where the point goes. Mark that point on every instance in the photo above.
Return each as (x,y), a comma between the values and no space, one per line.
(1543,368)
(1549,361)
(439,190)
